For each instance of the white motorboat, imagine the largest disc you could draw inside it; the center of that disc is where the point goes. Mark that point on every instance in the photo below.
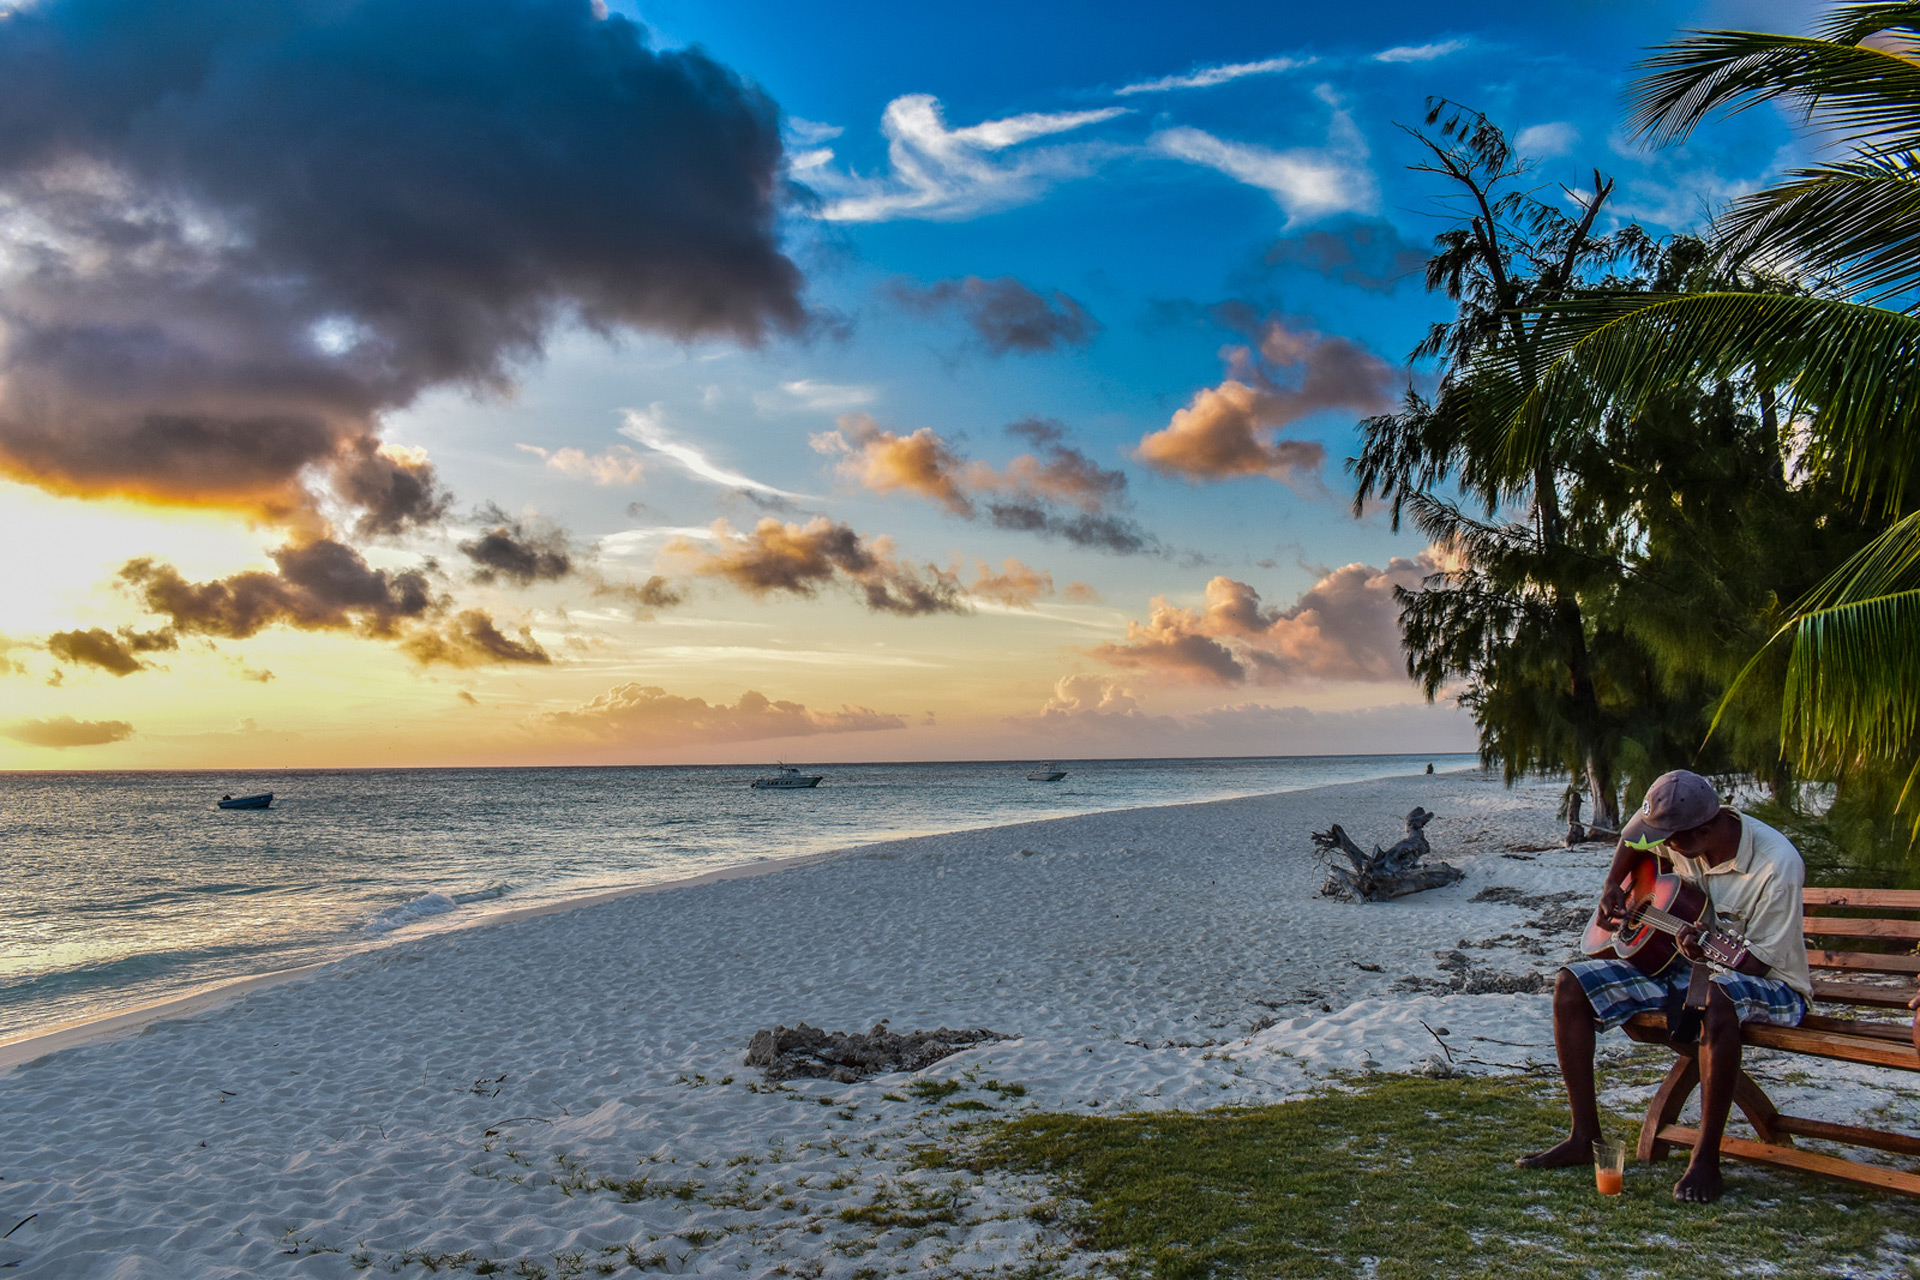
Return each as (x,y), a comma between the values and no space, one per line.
(787,779)
(1046,773)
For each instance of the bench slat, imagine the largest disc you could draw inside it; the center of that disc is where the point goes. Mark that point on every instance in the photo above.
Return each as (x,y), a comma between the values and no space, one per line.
(1871,1175)
(1832,1044)
(1898,1032)
(1898,899)
(1864,961)
(1856,927)
(1862,993)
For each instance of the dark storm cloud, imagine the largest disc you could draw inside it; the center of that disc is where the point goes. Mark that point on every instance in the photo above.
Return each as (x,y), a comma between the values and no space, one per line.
(117,653)
(1368,255)
(1006,314)
(240,232)
(520,551)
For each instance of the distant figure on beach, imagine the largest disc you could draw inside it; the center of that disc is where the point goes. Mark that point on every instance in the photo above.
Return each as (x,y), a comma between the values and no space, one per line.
(1429,766)
(1752,877)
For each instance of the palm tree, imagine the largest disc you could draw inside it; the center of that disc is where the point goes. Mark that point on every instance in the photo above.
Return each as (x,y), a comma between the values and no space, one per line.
(1841,352)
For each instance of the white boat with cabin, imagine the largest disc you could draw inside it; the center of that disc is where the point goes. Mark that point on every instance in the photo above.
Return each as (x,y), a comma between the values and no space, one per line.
(1046,773)
(787,779)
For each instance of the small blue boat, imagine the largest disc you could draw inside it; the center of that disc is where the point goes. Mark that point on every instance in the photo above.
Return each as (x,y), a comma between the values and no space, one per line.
(260,801)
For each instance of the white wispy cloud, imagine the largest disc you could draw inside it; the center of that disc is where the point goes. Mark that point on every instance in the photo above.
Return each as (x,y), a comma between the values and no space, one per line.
(1420,52)
(807,133)
(1306,182)
(826,397)
(1207,77)
(937,172)
(645,428)
(1555,138)
(618,465)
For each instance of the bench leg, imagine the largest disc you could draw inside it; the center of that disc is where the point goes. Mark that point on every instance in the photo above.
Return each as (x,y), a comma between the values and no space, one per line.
(1760,1112)
(1681,1081)
(1678,1087)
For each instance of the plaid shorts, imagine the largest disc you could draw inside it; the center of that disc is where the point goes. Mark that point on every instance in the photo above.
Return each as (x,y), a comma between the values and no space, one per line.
(1617,991)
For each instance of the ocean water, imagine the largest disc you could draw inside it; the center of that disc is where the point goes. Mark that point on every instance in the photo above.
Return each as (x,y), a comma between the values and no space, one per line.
(126,888)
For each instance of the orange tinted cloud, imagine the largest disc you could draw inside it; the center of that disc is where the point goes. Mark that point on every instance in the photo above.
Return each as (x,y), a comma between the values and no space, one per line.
(1345,627)
(777,556)
(323,585)
(1016,584)
(65,731)
(1027,495)
(97,647)
(647,715)
(1232,429)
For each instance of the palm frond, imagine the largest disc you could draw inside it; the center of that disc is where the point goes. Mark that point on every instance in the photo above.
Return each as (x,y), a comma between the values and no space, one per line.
(1858,223)
(1855,367)
(1854,88)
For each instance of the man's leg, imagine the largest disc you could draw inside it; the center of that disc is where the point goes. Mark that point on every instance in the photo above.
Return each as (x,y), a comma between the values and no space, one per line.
(1573,1039)
(1719,1069)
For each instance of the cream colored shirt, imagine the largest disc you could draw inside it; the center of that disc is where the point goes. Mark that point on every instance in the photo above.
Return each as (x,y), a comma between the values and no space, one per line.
(1757,896)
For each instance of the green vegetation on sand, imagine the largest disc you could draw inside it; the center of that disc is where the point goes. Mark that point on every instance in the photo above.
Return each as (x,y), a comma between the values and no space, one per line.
(1412,1177)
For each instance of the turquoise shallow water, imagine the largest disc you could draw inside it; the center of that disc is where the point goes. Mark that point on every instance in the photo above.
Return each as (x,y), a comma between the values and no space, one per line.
(124,888)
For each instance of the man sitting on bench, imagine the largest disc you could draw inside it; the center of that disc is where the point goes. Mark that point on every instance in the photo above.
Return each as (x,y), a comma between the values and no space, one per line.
(1753,876)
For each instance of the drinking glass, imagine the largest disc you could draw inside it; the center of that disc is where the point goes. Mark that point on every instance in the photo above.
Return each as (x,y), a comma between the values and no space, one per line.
(1609,1166)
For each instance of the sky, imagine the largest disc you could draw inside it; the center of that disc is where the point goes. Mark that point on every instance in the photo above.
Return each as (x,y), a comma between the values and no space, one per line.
(517,382)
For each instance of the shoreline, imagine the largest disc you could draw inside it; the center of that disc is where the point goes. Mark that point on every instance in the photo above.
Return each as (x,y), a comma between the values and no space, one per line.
(119,1023)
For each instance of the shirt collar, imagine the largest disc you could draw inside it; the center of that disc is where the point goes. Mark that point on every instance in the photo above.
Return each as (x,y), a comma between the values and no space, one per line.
(1741,863)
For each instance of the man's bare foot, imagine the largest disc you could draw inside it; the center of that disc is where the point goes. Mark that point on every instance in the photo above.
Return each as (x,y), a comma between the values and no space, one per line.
(1700,1184)
(1575,1150)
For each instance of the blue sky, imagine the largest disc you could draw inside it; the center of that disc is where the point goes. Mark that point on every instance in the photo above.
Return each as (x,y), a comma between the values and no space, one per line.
(1165,186)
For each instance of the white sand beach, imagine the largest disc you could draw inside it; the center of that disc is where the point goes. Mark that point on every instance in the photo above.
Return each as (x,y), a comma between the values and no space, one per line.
(466,1098)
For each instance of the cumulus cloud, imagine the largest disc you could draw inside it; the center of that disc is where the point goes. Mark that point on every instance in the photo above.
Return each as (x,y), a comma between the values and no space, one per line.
(779,557)
(1006,314)
(1055,490)
(65,731)
(1306,182)
(646,715)
(1207,77)
(324,585)
(1080,593)
(618,465)
(1368,254)
(1345,627)
(241,235)
(1230,430)
(1420,52)
(940,172)
(110,651)
(470,639)
(519,551)
(1016,585)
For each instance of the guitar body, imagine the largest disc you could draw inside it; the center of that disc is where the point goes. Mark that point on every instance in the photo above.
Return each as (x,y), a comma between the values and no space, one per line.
(1646,948)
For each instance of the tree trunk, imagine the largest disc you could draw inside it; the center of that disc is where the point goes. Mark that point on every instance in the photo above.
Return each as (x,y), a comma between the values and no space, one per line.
(1606,804)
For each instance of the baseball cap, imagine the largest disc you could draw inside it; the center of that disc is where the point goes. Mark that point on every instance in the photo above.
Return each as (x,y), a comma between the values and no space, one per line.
(1676,801)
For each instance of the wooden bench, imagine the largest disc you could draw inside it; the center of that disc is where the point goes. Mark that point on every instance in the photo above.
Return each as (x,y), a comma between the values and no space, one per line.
(1885,918)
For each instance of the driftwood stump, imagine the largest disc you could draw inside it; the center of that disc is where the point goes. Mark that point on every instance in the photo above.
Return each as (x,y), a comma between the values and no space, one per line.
(1384,873)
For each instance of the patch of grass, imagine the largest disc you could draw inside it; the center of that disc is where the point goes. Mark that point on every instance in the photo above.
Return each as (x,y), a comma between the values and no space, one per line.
(1411,1177)
(934,1090)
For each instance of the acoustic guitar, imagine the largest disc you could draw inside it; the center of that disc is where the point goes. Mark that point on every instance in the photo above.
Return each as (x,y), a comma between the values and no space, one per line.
(1658,907)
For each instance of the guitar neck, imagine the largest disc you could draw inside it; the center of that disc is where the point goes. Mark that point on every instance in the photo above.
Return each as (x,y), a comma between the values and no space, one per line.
(1722,947)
